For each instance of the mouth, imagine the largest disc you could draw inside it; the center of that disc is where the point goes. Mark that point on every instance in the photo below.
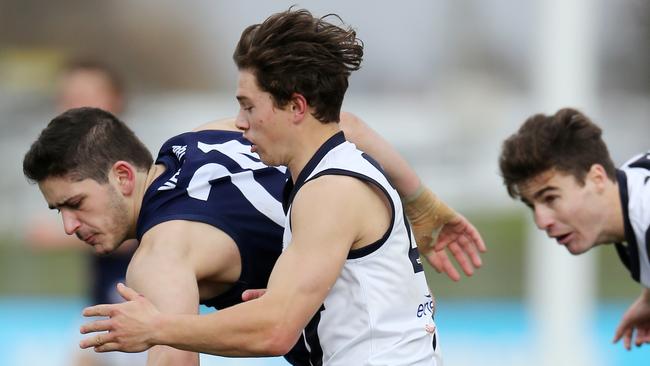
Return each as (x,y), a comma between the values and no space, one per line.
(253,148)
(564,239)
(88,239)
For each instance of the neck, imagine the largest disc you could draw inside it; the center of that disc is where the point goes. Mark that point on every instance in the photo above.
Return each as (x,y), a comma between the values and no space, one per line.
(615,227)
(143,181)
(311,136)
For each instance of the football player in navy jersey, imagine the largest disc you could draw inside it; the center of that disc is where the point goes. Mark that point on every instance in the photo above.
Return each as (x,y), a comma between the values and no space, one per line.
(559,166)
(346,226)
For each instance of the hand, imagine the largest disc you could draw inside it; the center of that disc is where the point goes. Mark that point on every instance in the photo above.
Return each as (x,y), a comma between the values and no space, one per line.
(437,227)
(635,320)
(130,327)
(464,242)
(252,294)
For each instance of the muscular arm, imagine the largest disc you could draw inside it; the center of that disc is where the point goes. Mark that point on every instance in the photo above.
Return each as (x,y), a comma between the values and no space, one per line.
(165,270)
(436,227)
(327,219)
(401,175)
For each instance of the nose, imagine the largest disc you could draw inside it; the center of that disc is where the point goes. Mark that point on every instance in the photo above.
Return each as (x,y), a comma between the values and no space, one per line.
(241,122)
(70,222)
(543,218)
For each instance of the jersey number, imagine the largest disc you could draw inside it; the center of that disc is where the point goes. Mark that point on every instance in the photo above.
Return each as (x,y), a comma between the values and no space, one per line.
(199,186)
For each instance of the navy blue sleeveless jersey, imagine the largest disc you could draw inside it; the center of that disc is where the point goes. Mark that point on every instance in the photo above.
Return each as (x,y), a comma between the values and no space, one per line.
(212,177)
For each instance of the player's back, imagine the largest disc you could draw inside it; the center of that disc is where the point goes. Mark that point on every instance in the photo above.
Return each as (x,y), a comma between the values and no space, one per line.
(212,177)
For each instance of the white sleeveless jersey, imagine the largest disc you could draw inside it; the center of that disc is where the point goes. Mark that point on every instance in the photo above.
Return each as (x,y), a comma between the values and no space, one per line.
(634,186)
(379,311)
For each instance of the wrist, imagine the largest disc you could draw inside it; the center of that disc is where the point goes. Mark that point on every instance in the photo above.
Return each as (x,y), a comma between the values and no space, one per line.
(160,335)
(425,204)
(409,187)
(645,295)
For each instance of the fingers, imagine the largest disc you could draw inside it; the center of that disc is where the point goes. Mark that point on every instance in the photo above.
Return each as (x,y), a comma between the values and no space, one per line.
(471,250)
(642,336)
(96,340)
(476,238)
(461,257)
(627,339)
(96,326)
(109,347)
(441,263)
(252,294)
(126,292)
(98,310)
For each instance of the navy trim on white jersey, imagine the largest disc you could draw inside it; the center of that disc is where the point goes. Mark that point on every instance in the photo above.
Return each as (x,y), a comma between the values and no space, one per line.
(629,254)
(375,312)
(634,190)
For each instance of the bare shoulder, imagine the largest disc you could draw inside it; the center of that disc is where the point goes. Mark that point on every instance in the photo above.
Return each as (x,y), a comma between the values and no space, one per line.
(181,237)
(205,248)
(226,124)
(337,192)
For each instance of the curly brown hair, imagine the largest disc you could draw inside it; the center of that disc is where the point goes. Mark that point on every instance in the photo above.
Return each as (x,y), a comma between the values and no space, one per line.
(567,141)
(294,52)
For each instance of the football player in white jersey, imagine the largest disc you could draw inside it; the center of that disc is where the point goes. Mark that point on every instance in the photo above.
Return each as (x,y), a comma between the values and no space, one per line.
(293,76)
(559,166)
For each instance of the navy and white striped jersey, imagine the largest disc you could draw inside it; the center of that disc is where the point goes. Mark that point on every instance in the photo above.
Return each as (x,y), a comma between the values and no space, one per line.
(212,177)
(379,310)
(634,188)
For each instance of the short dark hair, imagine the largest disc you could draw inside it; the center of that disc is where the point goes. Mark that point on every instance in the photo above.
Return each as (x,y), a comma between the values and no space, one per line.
(84,143)
(567,141)
(294,52)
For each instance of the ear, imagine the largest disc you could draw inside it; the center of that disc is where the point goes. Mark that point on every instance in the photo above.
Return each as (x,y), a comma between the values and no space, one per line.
(598,176)
(298,106)
(124,174)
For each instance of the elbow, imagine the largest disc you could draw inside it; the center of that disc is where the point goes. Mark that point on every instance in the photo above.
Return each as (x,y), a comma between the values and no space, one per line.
(280,340)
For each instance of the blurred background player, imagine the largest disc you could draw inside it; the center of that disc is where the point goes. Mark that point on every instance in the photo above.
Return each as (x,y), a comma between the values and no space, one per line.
(560,167)
(87,83)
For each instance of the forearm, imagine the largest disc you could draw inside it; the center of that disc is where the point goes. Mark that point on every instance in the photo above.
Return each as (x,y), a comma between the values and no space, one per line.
(243,330)
(403,177)
(164,355)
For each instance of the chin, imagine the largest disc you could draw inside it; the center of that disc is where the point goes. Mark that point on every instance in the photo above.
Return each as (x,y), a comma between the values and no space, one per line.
(577,249)
(101,249)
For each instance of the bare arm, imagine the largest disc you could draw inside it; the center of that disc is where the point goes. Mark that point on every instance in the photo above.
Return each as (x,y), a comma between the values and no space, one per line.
(166,269)
(402,176)
(323,232)
(161,270)
(436,227)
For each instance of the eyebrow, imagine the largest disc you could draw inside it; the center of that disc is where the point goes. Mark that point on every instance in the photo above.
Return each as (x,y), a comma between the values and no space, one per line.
(242,98)
(65,203)
(537,195)
(542,191)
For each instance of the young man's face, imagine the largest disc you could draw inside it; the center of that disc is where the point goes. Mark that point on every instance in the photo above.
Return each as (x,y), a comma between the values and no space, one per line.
(263,123)
(95,212)
(571,213)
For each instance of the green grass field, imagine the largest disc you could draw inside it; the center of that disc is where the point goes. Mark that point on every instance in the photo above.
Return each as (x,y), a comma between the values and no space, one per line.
(62,273)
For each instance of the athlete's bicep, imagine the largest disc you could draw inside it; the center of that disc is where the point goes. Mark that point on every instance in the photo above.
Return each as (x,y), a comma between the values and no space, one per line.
(161,270)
